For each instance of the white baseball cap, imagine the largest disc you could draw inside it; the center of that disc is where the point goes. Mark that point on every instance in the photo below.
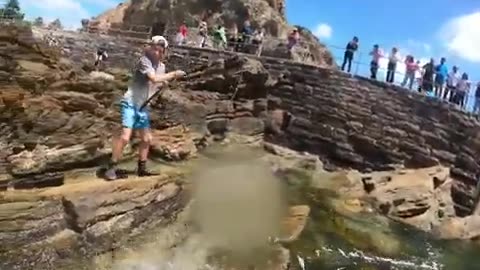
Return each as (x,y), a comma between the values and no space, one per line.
(159,40)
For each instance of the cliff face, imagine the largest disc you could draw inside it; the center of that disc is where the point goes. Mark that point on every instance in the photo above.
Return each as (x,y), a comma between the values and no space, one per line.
(349,122)
(165,15)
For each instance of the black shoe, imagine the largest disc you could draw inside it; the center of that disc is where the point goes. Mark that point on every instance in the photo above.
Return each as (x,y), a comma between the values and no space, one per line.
(146,173)
(142,170)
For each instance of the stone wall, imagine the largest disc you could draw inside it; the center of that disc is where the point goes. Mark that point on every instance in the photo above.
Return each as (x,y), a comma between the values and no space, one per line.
(370,126)
(349,122)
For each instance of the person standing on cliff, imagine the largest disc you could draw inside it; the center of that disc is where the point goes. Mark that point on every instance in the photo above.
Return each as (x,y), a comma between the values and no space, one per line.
(476,104)
(376,54)
(257,41)
(452,81)
(100,56)
(203,34)
(182,34)
(411,68)
(441,73)
(246,32)
(149,72)
(393,58)
(427,77)
(461,91)
(350,50)
(293,39)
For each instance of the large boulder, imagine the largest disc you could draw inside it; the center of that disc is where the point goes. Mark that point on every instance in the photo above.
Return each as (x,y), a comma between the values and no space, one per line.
(421,198)
(42,227)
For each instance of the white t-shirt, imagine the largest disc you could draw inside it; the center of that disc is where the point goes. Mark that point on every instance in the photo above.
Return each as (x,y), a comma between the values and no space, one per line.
(141,88)
(393,58)
(453,78)
(463,86)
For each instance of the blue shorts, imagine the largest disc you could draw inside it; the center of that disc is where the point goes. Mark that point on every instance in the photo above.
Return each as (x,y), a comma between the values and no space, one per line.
(132,117)
(439,79)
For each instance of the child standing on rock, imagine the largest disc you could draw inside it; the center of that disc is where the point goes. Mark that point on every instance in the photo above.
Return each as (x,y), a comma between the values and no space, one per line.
(148,73)
(100,56)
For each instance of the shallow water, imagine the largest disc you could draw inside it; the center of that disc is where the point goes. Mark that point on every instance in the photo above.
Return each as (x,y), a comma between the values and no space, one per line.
(331,240)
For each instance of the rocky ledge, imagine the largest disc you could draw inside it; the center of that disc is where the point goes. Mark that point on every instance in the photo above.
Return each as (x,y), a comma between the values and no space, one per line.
(44,227)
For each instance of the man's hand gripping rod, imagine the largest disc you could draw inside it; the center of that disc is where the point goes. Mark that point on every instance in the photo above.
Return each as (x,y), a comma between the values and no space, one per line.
(156,94)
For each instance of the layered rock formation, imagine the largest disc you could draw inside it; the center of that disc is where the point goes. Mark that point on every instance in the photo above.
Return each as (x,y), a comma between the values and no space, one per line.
(419,197)
(44,227)
(349,122)
(164,16)
(56,116)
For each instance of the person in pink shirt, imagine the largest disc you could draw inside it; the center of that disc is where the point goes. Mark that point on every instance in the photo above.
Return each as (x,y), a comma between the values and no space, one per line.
(293,39)
(182,34)
(376,54)
(411,68)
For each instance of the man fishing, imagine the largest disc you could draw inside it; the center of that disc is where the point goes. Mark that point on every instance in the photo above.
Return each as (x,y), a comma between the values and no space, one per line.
(148,75)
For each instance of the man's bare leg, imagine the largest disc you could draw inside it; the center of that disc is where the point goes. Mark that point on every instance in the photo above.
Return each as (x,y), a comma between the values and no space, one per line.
(143,150)
(118,145)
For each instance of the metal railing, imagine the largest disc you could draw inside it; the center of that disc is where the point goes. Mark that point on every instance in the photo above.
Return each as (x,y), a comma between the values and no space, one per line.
(133,31)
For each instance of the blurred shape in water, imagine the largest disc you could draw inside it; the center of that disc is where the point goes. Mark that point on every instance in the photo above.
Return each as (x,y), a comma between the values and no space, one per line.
(238,206)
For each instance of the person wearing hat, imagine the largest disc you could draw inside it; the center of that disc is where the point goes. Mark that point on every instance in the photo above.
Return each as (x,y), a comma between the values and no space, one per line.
(148,74)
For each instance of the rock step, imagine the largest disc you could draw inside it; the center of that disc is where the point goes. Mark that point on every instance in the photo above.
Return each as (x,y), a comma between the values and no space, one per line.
(44,180)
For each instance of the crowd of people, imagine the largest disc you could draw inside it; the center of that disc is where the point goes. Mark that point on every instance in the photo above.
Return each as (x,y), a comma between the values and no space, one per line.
(247,40)
(435,80)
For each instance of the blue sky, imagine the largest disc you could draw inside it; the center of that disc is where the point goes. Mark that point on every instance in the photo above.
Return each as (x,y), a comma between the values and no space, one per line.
(424,28)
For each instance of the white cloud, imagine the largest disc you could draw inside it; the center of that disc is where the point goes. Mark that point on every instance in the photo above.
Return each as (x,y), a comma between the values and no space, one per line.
(323,30)
(462,36)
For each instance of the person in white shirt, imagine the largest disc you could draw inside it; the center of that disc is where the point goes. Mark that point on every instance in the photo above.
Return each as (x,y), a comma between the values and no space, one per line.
(452,80)
(202,34)
(376,54)
(461,91)
(392,65)
(149,73)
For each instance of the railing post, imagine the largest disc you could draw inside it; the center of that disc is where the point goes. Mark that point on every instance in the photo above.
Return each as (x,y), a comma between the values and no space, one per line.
(358,63)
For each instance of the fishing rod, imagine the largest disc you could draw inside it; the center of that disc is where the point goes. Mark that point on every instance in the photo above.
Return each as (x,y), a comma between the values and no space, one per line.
(161,90)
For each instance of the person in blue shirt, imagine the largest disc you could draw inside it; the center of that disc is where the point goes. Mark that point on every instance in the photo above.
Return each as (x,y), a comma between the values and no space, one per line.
(247,32)
(441,73)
